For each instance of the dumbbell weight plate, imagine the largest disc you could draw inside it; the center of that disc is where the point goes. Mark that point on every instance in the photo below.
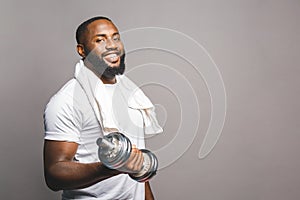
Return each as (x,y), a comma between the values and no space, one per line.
(149,168)
(116,156)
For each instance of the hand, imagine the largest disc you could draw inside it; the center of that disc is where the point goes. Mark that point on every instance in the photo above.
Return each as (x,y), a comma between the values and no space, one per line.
(134,163)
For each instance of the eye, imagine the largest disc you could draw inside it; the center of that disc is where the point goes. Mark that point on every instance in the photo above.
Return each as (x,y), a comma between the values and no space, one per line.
(116,38)
(99,40)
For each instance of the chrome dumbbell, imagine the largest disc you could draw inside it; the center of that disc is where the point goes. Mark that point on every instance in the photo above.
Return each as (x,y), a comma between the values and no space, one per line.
(115,149)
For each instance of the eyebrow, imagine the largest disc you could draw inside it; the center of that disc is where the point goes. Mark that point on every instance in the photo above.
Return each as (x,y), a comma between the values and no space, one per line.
(104,35)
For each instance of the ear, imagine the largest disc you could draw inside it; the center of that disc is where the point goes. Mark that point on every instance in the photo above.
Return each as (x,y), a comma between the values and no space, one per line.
(80,50)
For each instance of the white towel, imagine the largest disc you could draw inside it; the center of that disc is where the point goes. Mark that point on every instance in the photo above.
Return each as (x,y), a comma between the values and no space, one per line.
(102,106)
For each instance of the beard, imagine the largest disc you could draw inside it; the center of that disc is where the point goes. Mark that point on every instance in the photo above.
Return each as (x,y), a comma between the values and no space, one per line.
(103,69)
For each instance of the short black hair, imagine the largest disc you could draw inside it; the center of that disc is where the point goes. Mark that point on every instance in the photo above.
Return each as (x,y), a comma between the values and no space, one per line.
(82,28)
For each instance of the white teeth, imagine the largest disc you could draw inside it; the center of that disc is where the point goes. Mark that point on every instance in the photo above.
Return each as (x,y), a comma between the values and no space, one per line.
(113,55)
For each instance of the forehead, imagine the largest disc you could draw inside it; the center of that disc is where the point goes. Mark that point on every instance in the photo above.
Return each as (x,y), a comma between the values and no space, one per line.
(101,27)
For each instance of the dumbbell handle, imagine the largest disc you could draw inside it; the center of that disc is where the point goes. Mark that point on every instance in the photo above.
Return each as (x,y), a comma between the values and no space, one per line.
(106,144)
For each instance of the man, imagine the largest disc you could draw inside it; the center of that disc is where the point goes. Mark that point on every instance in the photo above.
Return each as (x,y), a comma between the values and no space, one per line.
(97,101)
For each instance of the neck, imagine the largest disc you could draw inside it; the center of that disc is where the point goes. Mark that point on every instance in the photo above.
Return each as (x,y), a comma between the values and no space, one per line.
(108,80)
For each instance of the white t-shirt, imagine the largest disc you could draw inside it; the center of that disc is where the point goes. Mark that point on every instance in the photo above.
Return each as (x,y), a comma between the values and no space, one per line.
(70,117)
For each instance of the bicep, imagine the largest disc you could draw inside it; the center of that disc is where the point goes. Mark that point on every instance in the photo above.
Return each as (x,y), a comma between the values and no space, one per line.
(58,151)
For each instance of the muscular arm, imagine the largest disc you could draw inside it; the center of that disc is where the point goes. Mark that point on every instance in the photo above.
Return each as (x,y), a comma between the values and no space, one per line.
(61,172)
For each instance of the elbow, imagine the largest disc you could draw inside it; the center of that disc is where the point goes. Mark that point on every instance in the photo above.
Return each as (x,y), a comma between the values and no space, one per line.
(52,187)
(52,183)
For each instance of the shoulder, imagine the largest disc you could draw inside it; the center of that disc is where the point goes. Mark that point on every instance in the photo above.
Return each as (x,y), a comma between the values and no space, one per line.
(70,89)
(67,98)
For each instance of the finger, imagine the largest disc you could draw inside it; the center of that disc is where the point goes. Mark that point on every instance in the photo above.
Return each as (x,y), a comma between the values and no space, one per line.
(132,159)
(140,161)
(136,157)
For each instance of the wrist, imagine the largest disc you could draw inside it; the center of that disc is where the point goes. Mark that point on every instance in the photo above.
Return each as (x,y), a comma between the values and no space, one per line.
(105,170)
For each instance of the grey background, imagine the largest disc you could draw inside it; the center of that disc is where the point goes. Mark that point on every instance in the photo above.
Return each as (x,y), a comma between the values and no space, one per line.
(256,46)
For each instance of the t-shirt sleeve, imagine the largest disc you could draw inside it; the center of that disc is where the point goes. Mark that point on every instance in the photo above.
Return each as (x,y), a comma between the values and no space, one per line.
(62,119)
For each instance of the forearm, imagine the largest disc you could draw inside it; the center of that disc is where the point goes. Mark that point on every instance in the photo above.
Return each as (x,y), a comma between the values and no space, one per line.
(148,192)
(72,175)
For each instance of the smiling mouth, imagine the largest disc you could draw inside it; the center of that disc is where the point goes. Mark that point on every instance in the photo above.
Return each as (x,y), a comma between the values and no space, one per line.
(112,57)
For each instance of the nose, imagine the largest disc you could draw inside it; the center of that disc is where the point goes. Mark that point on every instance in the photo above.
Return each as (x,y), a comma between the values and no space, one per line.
(110,44)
